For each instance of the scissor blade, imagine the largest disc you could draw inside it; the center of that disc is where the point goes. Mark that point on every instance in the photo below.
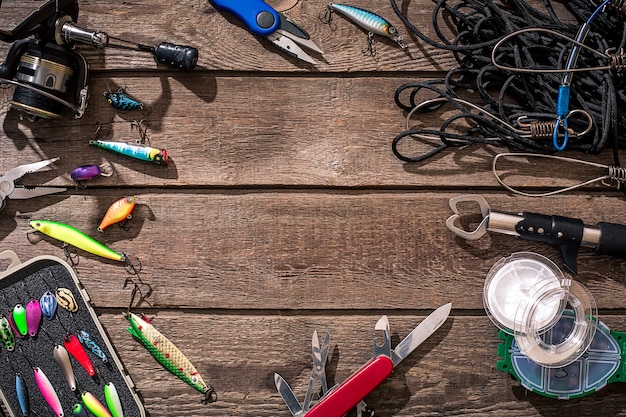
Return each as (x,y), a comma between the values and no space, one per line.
(23,193)
(290,29)
(18,172)
(289,46)
(427,327)
(288,396)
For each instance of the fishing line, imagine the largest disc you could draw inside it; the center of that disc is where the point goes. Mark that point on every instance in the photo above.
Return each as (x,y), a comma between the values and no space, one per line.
(504,93)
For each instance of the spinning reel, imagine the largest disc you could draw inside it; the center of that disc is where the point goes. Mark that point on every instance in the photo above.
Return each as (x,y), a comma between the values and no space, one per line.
(49,74)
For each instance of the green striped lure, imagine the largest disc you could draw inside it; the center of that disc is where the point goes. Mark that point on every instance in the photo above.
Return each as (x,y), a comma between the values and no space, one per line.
(373,23)
(71,236)
(168,355)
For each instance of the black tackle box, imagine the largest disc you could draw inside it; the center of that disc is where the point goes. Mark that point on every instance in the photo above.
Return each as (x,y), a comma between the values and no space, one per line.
(19,284)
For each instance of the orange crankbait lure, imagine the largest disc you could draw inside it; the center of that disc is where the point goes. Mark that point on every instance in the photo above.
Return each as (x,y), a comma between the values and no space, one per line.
(119,211)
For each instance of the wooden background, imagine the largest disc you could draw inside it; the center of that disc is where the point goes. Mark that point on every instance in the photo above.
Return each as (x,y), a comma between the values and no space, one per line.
(284,211)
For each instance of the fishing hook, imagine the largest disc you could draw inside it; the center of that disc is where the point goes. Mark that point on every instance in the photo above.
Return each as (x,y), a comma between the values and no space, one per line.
(137,290)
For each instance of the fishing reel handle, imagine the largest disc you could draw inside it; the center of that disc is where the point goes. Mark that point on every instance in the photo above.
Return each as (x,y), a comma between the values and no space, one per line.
(180,56)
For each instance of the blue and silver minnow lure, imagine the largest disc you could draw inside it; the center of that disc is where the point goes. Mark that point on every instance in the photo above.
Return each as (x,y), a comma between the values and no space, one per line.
(136,151)
(373,23)
(122,101)
(86,340)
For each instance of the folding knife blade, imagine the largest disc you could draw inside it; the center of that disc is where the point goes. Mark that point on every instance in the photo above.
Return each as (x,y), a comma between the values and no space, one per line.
(288,396)
(417,336)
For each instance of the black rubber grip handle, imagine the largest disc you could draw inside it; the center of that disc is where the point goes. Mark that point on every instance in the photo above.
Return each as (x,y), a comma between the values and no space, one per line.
(179,56)
(612,240)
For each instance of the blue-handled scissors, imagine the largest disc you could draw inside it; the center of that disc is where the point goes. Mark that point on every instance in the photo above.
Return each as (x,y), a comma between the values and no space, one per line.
(265,21)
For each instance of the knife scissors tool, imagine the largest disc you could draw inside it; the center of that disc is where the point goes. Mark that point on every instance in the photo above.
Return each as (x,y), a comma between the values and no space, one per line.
(263,20)
(566,233)
(341,398)
(8,188)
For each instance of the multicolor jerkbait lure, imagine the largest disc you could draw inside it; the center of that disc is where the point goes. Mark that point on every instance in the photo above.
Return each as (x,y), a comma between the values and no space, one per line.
(136,151)
(122,101)
(168,355)
(71,236)
(119,211)
(370,21)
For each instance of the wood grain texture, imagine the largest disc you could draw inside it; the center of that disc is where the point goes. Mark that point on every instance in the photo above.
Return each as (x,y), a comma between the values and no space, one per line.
(284,211)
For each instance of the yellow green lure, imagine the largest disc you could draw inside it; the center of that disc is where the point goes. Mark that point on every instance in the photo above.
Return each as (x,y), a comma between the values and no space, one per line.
(71,236)
(168,355)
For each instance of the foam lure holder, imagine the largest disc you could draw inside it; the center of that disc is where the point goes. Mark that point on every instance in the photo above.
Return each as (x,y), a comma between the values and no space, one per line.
(22,283)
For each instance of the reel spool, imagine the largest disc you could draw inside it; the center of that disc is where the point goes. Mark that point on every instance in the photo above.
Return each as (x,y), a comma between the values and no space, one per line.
(48,78)
(526,295)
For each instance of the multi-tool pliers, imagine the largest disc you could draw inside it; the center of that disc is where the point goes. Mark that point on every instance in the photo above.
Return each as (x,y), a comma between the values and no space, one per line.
(8,188)
(566,233)
(263,20)
(338,400)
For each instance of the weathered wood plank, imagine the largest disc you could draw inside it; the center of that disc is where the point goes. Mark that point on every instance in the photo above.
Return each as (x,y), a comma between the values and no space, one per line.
(303,249)
(452,373)
(278,131)
(225,44)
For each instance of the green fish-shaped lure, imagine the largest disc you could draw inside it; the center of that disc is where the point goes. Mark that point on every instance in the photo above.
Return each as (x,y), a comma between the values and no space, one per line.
(71,236)
(168,355)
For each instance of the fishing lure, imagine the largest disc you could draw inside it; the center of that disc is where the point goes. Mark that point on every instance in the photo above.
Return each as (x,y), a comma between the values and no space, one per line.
(22,394)
(86,340)
(73,346)
(48,304)
(65,299)
(136,151)
(16,332)
(120,210)
(33,317)
(93,405)
(79,411)
(19,319)
(122,101)
(89,172)
(113,400)
(71,236)
(62,358)
(168,355)
(6,334)
(369,21)
(48,392)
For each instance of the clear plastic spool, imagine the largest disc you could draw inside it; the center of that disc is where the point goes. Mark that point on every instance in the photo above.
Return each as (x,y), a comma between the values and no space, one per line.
(515,281)
(550,346)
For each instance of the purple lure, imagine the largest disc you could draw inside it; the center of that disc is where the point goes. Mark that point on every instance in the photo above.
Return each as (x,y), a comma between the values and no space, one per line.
(48,304)
(86,172)
(33,317)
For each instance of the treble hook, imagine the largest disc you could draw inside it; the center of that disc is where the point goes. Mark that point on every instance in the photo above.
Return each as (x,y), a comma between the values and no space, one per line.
(143,132)
(133,268)
(326,16)
(370,48)
(71,255)
(137,290)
